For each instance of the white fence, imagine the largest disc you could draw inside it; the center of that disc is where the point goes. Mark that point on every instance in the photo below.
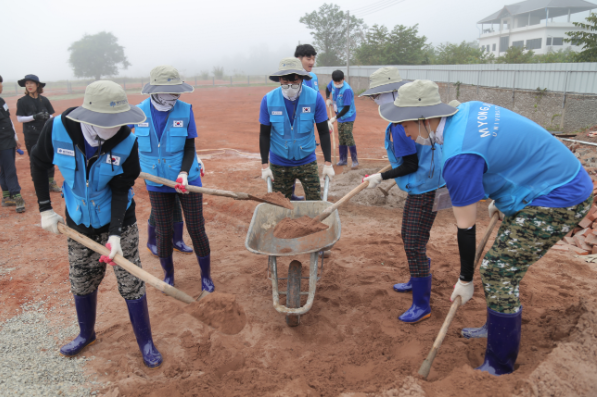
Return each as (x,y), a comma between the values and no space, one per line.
(578,78)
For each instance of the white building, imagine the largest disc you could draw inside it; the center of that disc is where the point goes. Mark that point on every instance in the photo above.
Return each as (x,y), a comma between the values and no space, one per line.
(538,25)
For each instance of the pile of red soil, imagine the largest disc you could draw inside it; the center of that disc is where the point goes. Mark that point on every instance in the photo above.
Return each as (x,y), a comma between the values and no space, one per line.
(289,228)
(277,198)
(220,311)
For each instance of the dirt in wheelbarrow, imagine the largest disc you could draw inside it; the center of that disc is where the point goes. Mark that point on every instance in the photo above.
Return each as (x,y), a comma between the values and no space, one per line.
(289,228)
(277,198)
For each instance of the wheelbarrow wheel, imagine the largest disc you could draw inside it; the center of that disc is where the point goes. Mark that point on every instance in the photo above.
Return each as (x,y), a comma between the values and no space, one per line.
(293,297)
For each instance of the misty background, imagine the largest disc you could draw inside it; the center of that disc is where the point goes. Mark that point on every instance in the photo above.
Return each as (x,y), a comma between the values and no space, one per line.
(242,37)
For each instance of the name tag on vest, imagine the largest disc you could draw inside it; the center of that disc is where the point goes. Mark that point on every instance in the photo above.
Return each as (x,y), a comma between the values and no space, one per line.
(115,160)
(307,109)
(177,123)
(66,152)
(143,124)
(277,113)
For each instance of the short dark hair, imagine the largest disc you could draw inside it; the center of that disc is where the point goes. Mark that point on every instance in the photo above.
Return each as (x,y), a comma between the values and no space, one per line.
(337,75)
(304,50)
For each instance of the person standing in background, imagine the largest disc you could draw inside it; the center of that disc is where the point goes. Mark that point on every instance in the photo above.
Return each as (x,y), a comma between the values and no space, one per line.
(33,110)
(346,113)
(9,142)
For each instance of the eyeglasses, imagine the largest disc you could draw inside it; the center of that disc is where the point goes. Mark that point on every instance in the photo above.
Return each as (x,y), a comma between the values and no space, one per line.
(287,86)
(374,97)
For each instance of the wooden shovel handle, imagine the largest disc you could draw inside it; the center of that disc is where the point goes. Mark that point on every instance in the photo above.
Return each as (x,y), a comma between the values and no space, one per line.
(328,211)
(126,265)
(426,366)
(195,189)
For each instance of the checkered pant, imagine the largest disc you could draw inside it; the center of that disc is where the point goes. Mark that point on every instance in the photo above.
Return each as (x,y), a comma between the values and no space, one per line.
(162,206)
(416,224)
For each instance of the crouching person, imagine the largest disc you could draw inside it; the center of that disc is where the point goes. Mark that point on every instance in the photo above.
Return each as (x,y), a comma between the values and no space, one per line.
(98,158)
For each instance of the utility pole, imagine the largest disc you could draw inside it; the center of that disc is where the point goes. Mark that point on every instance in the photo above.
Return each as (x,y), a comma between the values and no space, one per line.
(347,45)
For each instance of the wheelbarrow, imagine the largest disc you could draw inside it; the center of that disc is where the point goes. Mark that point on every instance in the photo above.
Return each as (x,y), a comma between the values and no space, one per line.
(260,240)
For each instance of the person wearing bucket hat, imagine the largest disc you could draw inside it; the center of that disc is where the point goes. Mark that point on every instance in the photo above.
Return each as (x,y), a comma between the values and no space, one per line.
(287,138)
(98,158)
(33,110)
(167,149)
(415,168)
(343,98)
(534,180)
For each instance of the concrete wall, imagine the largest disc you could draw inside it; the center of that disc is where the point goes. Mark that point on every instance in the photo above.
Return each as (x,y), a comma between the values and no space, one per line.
(544,108)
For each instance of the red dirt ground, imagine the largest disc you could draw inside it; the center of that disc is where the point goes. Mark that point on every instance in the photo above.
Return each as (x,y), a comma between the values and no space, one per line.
(350,343)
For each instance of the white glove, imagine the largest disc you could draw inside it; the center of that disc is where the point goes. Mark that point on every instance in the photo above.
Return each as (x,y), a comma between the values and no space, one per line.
(328,102)
(114,248)
(328,170)
(182,183)
(492,209)
(202,166)
(49,221)
(330,126)
(265,173)
(465,290)
(333,119)
(374,180)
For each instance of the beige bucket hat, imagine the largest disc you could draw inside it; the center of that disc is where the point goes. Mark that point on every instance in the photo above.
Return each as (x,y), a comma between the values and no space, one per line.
(289,66)
(166,80)
(105,105)
(384,80)
(418,100)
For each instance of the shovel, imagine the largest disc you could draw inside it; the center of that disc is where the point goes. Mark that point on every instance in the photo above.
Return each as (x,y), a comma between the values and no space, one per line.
(214,192)
(128,266)
(426,366)
(333,134)
(386,192)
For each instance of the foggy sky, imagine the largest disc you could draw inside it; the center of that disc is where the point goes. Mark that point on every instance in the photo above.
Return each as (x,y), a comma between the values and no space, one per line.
(247,36)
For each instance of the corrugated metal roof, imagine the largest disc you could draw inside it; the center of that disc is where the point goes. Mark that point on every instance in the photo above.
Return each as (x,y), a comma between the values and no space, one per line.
(559,77)
(534,5)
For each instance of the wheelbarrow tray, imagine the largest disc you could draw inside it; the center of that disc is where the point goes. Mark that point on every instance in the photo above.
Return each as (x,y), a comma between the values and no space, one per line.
(260,237)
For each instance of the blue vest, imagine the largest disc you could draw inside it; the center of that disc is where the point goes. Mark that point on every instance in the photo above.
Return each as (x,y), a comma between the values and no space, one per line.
(523,160)
(313,83)
(338,97)
(296,141)
(88,202)
(163,158)
(428,176)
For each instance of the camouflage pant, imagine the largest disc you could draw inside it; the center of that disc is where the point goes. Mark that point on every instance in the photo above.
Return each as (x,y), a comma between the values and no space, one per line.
(521,241)
(86,272)
(308,174)
(345,133)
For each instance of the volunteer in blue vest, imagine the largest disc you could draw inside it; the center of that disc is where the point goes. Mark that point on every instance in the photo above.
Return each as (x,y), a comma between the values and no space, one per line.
(415,168)
(287,119)
(346,113)
(167,149)
(534,180)
(97,156)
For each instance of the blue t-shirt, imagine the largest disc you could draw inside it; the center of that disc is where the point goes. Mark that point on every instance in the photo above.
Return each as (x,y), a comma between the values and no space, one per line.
(464,178)
(159,124)
(403,145)
(90,151)
(347,100)
(321,115)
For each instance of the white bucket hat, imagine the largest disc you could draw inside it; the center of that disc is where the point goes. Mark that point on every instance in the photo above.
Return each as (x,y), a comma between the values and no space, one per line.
(105,105)
(166,80)
(384,80)
(289,66)
(418,100)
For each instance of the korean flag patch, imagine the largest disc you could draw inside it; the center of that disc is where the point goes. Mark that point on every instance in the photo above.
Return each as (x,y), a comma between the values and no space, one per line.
(306,109)
(115,160)
(177,124)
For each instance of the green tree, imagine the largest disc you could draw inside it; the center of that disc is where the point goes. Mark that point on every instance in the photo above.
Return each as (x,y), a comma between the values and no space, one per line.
(560,56)
(463,53)
(516,55)
(97,55)
(330,27)
(586,39)
(372,50)
(405,47)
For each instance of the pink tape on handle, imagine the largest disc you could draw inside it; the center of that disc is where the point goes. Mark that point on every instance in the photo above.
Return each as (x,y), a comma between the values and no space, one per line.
(180,186)
(106,258)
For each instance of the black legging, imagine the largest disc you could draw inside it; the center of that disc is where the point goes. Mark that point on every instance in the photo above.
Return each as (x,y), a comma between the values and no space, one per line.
(176,213)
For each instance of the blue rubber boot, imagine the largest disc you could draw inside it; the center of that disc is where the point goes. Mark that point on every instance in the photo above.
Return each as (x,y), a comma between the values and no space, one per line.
(420,309)
(404,287)
(293,197)
(86,306)
(475,333)
(168,267)
(343,150)
(152,246)
(354,158)
(206,282)
(177,241)
(139,315)
(503,342)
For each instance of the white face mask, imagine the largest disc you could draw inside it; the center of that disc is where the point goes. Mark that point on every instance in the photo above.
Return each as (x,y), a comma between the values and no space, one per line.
(338,86)
(164,102)
(388,97)
(425,141)
(291,93)
(91,133)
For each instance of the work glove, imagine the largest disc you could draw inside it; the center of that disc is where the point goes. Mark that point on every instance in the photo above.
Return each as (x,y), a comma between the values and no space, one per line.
(328,170)
(329,102)
(333,119)
(113,245)
(41,116)
(202,166)
(265,173)
(492,209)
(464,289)
(182,183)
(330,126)
(49,221)
(374,180)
